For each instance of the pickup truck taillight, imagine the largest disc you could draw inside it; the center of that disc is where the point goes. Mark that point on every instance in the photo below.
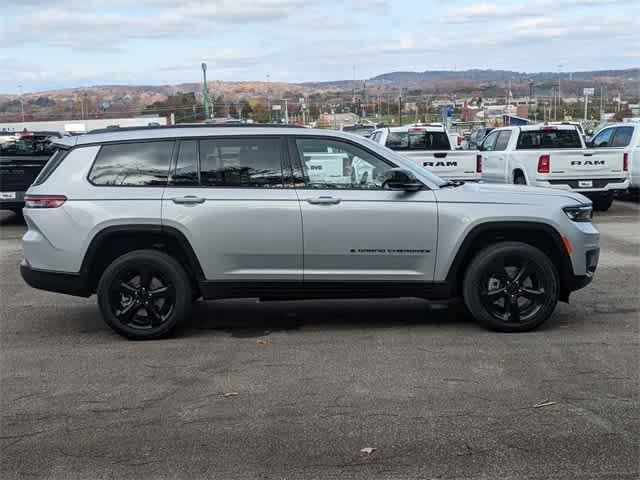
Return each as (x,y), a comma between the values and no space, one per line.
(479,163)
(44,201)
(544,164)
(625,162)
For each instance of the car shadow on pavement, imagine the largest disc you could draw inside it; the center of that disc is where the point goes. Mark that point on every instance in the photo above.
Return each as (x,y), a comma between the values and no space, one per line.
(252,318)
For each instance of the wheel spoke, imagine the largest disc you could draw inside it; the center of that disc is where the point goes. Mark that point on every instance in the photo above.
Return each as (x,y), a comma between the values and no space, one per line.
(160,292)
(126,313)
(531,294)
(154,314)
(512,309)
(125,287)
(522,274)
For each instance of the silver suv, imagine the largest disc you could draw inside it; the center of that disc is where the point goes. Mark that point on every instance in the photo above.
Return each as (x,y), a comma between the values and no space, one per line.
(151,219)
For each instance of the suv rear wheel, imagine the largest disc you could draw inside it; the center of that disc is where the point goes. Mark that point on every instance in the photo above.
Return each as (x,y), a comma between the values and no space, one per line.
(144,294)
(511,287)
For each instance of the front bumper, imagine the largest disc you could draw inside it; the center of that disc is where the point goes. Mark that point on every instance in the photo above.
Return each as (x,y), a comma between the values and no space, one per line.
(68,283)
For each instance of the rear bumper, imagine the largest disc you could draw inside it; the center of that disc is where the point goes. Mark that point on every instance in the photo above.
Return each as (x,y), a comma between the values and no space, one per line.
(12,203)
(69,283)
(599,184)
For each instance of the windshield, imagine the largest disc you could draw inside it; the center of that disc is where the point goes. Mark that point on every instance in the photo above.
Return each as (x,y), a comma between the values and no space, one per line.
(26,145)
(418,140)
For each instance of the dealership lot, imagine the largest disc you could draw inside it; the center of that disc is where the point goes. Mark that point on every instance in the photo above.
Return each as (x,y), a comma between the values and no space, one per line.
(317,382)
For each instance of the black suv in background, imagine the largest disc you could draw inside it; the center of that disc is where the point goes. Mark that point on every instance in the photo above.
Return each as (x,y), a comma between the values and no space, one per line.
(22,156)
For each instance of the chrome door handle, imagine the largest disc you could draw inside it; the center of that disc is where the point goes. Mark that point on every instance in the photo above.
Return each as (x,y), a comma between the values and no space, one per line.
(323,200)
(188,199)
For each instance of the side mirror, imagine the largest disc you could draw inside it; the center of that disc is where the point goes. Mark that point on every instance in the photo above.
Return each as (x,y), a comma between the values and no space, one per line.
(401,179)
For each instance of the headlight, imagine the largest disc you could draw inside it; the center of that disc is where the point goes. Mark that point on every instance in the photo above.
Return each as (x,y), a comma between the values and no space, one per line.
(579,213)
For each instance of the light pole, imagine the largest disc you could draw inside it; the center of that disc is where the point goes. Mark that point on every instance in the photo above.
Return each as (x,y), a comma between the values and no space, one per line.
(205,91)
(21,102)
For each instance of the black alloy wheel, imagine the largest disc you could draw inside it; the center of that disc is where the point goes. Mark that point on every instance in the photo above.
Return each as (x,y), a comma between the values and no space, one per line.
(144,294)
(511,287)
(142,297)
(513,293)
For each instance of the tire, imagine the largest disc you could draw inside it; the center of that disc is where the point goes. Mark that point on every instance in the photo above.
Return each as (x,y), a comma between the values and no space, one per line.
(602,204)
(519,179)
(509,272)
(144,294)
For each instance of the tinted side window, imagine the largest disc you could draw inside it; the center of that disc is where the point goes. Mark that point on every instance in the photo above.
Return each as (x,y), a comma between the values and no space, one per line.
(489,142)
(551,138)
(241,162)
(603,139)
(334,164)
(503,140)
(132,164)
(622,138)
(186,172)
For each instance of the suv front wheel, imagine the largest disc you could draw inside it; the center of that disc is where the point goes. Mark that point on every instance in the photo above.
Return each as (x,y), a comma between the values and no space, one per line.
(511,287)
(144,294)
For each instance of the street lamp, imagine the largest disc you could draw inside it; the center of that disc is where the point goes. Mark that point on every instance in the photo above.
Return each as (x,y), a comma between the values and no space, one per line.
(205,91)
(21,102)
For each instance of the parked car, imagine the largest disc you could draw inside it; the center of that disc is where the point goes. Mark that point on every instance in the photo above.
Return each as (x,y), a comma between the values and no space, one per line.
(162,216)
(623,137)
(430,147)
(553,157)
(22,156)
(476,137)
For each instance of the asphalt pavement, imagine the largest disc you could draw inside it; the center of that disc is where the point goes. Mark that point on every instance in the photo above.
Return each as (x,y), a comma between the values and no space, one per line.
(424,391)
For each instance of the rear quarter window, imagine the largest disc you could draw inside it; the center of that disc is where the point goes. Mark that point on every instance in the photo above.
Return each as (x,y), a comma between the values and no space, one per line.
(539,139)
(132,164)
(54,162)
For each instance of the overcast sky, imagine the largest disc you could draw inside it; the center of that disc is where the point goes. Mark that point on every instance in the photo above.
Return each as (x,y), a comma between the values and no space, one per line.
(47,44)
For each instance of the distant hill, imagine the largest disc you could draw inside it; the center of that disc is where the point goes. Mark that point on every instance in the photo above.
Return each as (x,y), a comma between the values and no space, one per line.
(127,100)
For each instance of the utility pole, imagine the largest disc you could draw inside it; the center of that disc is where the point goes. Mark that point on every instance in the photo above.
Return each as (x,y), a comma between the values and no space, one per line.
(205,91)
(286,111)
(268,100)
(21,102)
(400,107)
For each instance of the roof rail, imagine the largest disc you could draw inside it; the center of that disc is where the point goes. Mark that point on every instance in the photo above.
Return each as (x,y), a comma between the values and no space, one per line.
(194,125)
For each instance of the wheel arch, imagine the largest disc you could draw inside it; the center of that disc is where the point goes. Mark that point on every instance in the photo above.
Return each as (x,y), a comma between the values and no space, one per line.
(113,241)
(537,234)
(519,171)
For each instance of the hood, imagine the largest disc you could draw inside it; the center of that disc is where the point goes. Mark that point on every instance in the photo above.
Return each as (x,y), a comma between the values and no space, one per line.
(503,193)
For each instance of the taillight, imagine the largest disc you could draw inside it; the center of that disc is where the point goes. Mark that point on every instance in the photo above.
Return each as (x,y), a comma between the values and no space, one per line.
(459,140)
(544,164)
(479,163)
(625,162)
(44,201)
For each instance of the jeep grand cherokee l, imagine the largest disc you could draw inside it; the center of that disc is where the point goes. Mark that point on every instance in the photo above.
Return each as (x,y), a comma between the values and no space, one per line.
(152,218)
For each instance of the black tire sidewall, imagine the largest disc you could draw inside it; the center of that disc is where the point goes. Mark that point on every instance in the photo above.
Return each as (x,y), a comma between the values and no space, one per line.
(602,204)
(161,262)
(480,264)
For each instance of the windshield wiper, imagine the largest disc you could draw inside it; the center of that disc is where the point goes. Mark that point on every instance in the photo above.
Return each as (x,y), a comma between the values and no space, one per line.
(452,183)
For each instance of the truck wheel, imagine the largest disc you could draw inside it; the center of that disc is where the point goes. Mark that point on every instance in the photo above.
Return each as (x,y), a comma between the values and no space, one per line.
(511,287)
(519,179)
(144,294)
(602,204)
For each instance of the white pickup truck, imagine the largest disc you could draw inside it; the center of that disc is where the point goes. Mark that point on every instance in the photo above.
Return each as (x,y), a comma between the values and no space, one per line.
(553,156)
(623,137)
(429,147)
